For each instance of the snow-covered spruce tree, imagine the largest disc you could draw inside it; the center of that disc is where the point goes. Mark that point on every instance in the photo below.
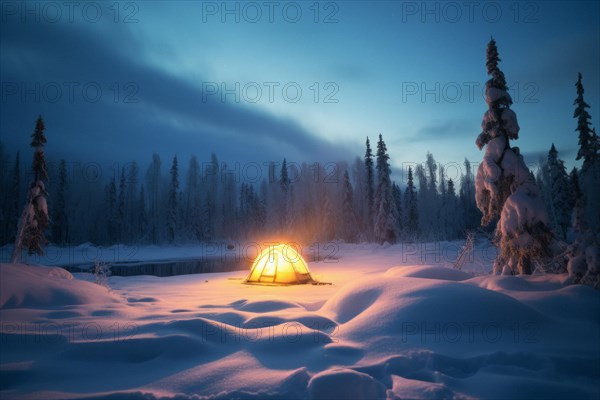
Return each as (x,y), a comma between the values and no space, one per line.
(142,218)
(284,183)
(429,201)
(348,215)
(193,204)
(505,189)
(397,209)
(244,207)
(370,192)
(172,202)
(588,140)
(249,211)
(13,194)
(212,220)
(154,195)
(443,189)
(60,223)
(584,259)
(272,194)
(259,213)
(208,217)
(584,252)
(228,200)
(443,215)
(284,179)
(384,219)
(423,203)
(5,199)
(131,203)
(410,205)
(452,212)
(111,212)
(358,174)
(34,219)
(327,228)
(467,198)
(560,210)
(577,216)
(121,224)
(451,189)
(293,211)
(589,151)
(431,165)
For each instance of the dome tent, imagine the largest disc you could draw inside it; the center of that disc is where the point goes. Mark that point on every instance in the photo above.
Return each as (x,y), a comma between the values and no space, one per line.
(279,265)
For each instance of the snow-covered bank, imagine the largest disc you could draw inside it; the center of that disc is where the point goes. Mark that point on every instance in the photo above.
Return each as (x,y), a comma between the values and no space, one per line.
(388,326)
(23,286)
(88,253)
(443,253)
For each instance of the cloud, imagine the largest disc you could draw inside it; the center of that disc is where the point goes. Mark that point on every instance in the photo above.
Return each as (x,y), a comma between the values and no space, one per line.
(56,70)
(534,157)
(446,129)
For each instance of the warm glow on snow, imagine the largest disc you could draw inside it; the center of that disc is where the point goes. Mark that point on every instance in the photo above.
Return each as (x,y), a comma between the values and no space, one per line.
(279,264)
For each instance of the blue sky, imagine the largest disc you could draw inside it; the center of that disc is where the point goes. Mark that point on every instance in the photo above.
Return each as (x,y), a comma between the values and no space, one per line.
(372,59)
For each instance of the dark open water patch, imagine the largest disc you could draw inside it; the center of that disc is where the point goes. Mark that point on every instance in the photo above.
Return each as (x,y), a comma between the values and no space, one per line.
(168,268)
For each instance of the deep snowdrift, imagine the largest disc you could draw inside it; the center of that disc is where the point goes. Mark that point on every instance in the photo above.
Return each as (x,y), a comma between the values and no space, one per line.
(410,331)
(23,286)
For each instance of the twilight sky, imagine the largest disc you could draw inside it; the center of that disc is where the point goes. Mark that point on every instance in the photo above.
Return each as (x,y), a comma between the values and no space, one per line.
(259,81)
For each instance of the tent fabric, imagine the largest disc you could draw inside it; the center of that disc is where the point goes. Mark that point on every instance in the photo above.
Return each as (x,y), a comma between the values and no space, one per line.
(279,265)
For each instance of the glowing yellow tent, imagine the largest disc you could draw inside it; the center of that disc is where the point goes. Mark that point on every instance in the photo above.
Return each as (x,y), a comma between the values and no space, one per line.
(279,265)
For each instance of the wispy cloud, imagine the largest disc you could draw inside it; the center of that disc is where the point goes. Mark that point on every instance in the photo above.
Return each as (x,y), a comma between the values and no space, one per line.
(168,114)
(446,129)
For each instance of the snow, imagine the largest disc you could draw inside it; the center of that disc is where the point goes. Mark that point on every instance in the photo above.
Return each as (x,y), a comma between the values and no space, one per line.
(489,171)
(47,287)
(489,125)
(395,323)
(510,123)
(493,94)
(345,384)
(521,209)
(584,259)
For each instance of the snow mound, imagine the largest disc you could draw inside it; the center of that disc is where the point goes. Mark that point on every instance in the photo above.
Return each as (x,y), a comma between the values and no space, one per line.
(313,321)
(403,388)
(412,309)
(267,305)
(345,384)
(549,294)
(137,350)
(285,339)
(46,287)
(227,317)
(429,272)
(352,303)
(518,283)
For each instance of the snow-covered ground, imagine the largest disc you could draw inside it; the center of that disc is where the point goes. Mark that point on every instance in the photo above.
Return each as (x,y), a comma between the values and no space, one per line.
(396,322)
